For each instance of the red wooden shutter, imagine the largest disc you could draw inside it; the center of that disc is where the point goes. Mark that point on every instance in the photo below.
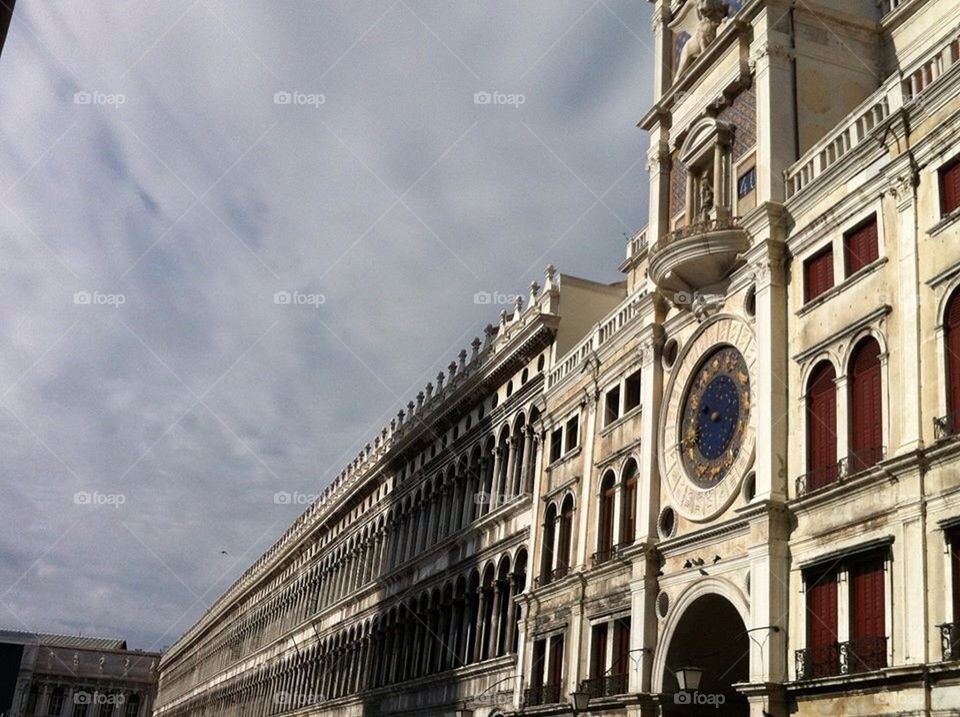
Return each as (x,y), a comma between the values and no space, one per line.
(598,650)
(539,662)
(566,531)
(860,247)
(821,647)
(954,539)
(629,509)
(866,406)
(821,426)
(621,647)
(867,613)
(952,325)
(556,660)
(950,187)
(818,273)
(605,539)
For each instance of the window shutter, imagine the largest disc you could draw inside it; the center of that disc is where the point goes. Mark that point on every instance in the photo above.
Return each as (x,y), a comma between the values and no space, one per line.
(598,650)
(822,426)
(860,247)
(621,647)
(867,613)
(952,325)
(821,592)
(950,187)
(866,406)
(566,530)
(818,274)
(556,660)
(954,539)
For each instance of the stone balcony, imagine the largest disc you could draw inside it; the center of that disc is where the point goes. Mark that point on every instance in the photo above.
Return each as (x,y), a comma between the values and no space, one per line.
(698,256)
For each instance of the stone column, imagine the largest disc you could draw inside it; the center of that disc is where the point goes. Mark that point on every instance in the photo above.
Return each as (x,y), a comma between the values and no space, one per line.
(495,620)
(511,612)
(490,502)
(507,478)
(481,630)
(908,305)
(524,486)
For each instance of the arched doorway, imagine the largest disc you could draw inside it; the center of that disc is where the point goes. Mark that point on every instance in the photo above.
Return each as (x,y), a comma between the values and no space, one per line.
(711,636)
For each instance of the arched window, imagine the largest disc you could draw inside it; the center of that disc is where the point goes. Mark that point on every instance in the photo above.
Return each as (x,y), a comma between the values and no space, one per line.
(821,426)
(628,507)
(605,526)
(951,326)
(546,553)
(866,406)
(565,539)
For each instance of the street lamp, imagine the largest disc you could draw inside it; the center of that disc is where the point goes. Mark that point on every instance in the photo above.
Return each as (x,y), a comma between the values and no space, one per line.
(581,700)
(689,678)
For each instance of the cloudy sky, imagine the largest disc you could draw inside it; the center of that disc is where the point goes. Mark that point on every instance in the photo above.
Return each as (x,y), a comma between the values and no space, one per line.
(168,167)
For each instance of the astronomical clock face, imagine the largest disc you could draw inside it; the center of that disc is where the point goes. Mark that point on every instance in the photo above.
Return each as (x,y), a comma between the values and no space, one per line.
(707,425)
(715,413)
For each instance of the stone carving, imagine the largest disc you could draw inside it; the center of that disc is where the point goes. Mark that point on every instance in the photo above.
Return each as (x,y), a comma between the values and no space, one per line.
(711,13)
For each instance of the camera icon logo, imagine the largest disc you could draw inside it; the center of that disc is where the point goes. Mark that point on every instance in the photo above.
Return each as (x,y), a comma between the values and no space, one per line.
(682,698)
(282,498)
(282,98)
(482,98)
(282,298)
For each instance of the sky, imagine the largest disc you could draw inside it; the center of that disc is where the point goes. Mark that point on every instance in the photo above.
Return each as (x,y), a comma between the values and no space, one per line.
(237,237)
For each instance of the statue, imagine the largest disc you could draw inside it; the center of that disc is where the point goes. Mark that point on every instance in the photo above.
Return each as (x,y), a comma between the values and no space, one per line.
(710,13)
(706,196)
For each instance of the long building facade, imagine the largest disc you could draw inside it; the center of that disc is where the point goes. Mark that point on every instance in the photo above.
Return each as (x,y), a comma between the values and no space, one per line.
(727,485)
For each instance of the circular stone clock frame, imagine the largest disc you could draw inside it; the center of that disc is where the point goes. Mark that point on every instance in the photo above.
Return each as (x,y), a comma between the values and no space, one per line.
(692,501)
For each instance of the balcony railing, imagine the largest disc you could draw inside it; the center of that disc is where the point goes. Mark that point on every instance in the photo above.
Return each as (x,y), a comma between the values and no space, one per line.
(841,658)
(818,661)
(950,641)
(863,655)
(550,576)
(541,695)
(604,555)
(606,686)
(857,462)
(719,224)
(946,426)
(898,90)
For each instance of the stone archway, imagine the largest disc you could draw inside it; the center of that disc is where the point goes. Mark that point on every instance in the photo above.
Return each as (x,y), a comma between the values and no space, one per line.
(711,635)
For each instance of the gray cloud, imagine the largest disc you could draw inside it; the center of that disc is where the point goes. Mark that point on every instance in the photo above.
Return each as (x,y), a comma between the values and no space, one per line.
(195,198)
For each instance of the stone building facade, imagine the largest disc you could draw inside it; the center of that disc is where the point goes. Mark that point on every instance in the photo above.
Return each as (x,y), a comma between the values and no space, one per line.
(47,675)
(740,465)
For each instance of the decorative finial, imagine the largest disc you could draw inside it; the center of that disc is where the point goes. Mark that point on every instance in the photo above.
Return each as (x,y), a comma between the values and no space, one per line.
(475,344)
(463,358)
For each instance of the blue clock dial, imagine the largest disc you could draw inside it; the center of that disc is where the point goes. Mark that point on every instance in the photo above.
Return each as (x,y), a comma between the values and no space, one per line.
(715,414)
